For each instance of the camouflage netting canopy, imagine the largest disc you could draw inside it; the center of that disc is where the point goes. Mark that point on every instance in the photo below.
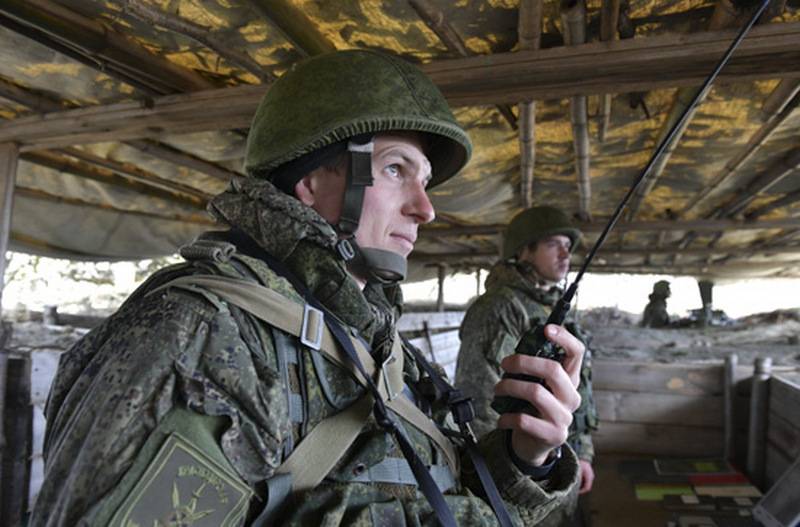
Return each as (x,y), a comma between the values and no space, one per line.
(127,115)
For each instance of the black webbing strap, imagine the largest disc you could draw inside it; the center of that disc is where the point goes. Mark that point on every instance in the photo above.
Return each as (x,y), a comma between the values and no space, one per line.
(359,177)
(382,416)
(463,413)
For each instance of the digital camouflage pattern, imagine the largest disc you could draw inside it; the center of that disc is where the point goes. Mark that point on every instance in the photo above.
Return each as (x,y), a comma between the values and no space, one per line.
(173,364)
(513,304)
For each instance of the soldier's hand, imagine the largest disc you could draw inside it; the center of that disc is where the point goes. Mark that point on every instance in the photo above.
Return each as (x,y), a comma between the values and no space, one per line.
(533,438)
(587,476)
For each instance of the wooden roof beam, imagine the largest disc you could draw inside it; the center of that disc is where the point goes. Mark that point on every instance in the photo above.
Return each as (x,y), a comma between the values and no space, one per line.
(109,177)
(573,22)
(43,104)
(788,199)
(634,251)
(96,45)
(134,173)
(620,66)
(778,106)
(295,26)
(31,193)
(724,16)
(529,31)
(201,34)
(775,173)
(702,225)
(644,63)
(177,157)
(435,19)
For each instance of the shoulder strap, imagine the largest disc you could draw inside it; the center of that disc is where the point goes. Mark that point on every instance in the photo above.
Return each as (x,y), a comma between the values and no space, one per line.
(463,413)
(308,323)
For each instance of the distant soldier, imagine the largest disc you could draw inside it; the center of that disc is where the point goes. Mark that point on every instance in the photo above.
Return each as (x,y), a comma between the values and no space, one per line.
(520,292)
(655,313)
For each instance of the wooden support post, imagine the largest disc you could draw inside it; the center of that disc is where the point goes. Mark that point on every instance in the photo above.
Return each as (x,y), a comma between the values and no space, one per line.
(478,281)
(440,298)
(50,315)
(609,20)
(529,29)
(9,152)
(5,336)
(757,430)
(18,429)
(729,406)
(706,290)
(573,23)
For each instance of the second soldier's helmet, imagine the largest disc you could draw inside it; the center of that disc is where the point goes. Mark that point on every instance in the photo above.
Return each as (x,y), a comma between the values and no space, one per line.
(534,224)
(661,289)
(334,104)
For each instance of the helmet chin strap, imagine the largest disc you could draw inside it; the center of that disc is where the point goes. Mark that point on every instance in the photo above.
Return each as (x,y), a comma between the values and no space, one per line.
(374,265)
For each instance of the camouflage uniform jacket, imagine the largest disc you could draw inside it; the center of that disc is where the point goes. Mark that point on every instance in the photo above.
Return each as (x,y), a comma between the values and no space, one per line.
(493,326)
(176,410)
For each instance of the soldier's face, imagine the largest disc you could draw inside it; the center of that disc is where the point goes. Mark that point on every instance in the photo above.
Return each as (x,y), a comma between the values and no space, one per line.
(396,203)
(550,257)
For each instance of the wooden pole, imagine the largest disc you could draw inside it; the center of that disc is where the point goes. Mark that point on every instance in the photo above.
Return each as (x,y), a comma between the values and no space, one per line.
(295,26)
(609,19)
(729,406)
(573,22)
(478,281)
(757,430)
(9,153)
(5,336)
(440,297)
(706,291)
(18,428)
(529,35)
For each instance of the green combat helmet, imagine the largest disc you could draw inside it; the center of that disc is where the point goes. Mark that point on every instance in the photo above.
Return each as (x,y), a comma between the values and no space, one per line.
(531,225)
(661,289)
(336,103)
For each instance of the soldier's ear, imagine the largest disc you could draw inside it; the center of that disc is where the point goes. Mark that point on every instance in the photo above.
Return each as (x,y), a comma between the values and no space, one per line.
(305,189)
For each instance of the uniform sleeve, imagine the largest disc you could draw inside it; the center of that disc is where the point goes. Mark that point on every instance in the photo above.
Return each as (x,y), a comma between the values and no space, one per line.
(532,500)
(112,433)
(490,332)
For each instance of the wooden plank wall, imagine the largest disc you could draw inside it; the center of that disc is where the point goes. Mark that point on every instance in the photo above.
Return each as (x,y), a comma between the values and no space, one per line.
(783,428)
(436,334)
(645,408)
(660,409)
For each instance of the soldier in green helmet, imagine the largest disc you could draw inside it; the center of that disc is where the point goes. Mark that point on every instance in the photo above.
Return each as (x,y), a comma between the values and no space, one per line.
(655,312)
(263,382)
(520,291)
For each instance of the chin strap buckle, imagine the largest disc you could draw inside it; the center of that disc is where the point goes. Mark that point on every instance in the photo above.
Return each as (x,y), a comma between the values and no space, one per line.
(345,249)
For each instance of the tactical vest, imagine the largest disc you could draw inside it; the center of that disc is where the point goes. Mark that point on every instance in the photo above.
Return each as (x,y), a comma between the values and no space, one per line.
(328,405)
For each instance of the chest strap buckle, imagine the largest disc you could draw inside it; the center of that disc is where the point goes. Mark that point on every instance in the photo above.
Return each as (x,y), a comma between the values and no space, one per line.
(313,324)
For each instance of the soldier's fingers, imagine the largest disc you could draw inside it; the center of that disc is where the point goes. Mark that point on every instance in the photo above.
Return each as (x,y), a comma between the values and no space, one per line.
(550,408)
(550,372)
(573,347)
(540,430)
